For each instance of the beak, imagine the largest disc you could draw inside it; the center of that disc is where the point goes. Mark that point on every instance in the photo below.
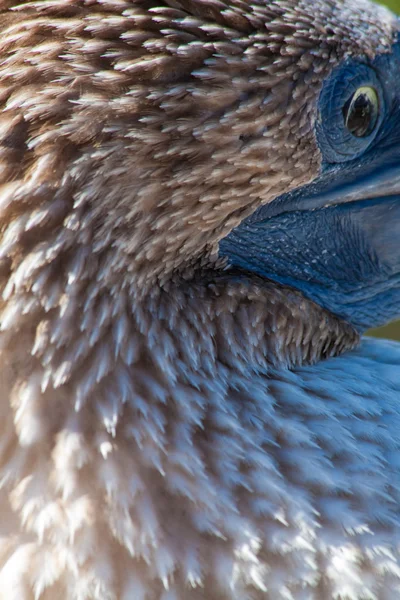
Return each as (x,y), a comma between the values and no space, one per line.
(382,183)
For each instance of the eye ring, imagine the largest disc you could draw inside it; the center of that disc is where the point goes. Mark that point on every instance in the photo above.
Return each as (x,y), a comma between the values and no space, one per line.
(361,111)
(343,135)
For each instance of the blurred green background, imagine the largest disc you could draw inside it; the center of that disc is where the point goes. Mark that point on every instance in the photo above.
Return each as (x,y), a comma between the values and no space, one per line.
(393,4)
(393,330)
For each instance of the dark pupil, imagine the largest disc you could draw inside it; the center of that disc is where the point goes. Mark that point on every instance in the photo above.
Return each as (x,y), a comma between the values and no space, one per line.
(360,115)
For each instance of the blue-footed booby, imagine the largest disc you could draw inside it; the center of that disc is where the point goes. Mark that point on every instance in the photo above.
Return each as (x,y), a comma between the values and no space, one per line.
(200,218)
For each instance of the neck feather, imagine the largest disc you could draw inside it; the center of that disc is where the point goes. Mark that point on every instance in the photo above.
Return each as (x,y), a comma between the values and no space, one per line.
(143,416)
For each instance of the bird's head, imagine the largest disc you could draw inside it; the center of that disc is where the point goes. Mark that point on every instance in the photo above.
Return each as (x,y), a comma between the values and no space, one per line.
(149,142)
(338,238)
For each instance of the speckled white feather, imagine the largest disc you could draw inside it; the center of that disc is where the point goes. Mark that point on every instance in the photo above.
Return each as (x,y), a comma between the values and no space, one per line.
(289,489)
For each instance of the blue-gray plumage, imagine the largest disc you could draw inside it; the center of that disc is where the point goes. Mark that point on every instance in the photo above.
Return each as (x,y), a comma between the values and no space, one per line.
(200,216)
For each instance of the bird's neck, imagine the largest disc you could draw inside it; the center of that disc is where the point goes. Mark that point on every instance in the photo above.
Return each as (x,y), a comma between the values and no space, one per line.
(144,414)
(81,338)
(76,324)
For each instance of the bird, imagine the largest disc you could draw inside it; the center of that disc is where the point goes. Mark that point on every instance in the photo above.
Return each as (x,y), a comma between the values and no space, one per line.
(200,215)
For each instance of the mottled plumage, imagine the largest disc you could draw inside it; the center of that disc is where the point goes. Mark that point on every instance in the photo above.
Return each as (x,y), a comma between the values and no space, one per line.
(171,427)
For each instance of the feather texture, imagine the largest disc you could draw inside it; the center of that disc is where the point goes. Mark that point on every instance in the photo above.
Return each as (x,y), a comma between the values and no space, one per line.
(171,429)
(239,486)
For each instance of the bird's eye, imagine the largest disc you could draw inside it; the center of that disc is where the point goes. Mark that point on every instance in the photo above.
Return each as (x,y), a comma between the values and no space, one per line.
(352,108)
(361,111)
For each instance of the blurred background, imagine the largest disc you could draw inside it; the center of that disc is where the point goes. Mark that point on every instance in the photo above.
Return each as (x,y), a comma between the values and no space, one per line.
(391,331)
(393,4)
